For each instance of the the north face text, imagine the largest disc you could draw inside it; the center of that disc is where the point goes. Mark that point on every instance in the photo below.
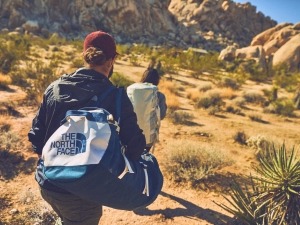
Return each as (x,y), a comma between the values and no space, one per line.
(70,144)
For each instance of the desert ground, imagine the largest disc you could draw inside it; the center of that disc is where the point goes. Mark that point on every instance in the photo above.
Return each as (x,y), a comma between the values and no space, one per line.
(20,201)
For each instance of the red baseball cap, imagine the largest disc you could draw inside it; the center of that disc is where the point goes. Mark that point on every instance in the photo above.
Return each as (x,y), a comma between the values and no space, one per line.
(101,40)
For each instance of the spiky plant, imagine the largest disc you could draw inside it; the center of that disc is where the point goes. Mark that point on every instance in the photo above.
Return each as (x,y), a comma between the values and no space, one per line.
(274,195)
(243,205)
(280,174)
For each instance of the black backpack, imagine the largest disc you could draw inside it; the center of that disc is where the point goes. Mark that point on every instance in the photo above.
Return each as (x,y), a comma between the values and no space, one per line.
(84,156)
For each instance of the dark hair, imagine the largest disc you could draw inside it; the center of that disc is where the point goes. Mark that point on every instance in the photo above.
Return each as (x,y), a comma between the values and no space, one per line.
(150,76)
(94,56)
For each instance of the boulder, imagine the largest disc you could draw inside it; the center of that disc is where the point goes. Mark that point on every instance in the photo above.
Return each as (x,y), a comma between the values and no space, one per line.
(228,54)
(289,54)
(264,36)
(256,53)
(31,26)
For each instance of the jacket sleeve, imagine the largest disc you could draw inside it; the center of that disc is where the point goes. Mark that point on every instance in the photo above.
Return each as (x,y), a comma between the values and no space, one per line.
(37,132)
(130,133)
(162,105)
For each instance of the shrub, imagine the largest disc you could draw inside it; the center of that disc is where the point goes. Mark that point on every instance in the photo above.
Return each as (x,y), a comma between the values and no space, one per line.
(272,94)
(205,87)
(240,137)
(229,82)
(259,142)
(181,117)
(253,70)
(210,99)
(172,101)
(8,140)
(12,49)
(239,101)
(189,162)
(170,86)
(274,195)
(254,97)
(282,106)
(213,110)
(4,82)
(77,62)
(170,90)
(120,80)
(5,124)
(256,118)
(296,98)
(198,62)
(38,76)
(227,93)
(134,59)
(234,110)
(287,81)
(193,94)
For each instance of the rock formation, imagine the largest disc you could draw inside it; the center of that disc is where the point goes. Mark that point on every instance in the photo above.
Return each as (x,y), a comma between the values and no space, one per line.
(221,19)
(279,45)
(209,24)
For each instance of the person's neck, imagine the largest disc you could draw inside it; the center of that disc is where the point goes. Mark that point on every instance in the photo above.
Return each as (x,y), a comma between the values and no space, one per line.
(99,69)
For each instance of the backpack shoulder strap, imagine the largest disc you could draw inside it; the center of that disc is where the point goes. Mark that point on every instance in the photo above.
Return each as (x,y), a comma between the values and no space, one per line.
(102,96)
(118,100)
(118,104)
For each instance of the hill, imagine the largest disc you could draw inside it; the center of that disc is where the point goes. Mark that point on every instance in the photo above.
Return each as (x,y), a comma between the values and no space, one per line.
(207,24)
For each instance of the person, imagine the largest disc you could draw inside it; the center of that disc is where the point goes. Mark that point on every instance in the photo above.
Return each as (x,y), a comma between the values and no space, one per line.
(74,91)
(152,76)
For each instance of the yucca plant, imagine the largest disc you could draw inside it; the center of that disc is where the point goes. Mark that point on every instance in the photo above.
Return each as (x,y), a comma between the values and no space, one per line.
(280,173)
(243,206)
(274,195)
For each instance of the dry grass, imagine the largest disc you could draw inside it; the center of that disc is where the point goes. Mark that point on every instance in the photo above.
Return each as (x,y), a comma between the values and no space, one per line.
(227,93)
(190,162)
(193,94)
(4,81)
(5,123)
(169,88)
(167,85)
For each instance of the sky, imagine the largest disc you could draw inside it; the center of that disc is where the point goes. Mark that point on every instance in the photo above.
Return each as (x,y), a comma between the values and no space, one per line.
(279,10)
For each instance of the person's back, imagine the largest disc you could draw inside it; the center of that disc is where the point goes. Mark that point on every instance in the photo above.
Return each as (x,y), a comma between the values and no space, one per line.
(152,76)
(149,104)
(74,91)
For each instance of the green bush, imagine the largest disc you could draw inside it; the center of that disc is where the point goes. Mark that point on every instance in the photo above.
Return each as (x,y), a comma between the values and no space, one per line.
(282,106)
(229,82)
(285,79)
(274,196)
(34,78)
(12,49)
(254,97)
(210,99)
(253,70)
(271,94)
(120,80)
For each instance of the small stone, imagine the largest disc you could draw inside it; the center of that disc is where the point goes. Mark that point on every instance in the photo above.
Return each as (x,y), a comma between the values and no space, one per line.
(14,211)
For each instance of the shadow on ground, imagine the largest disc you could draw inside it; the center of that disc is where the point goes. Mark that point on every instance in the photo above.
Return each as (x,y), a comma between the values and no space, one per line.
(14,163)
(190,210)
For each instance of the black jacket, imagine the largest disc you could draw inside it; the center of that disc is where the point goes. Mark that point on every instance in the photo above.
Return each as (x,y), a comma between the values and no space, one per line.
(74,91)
